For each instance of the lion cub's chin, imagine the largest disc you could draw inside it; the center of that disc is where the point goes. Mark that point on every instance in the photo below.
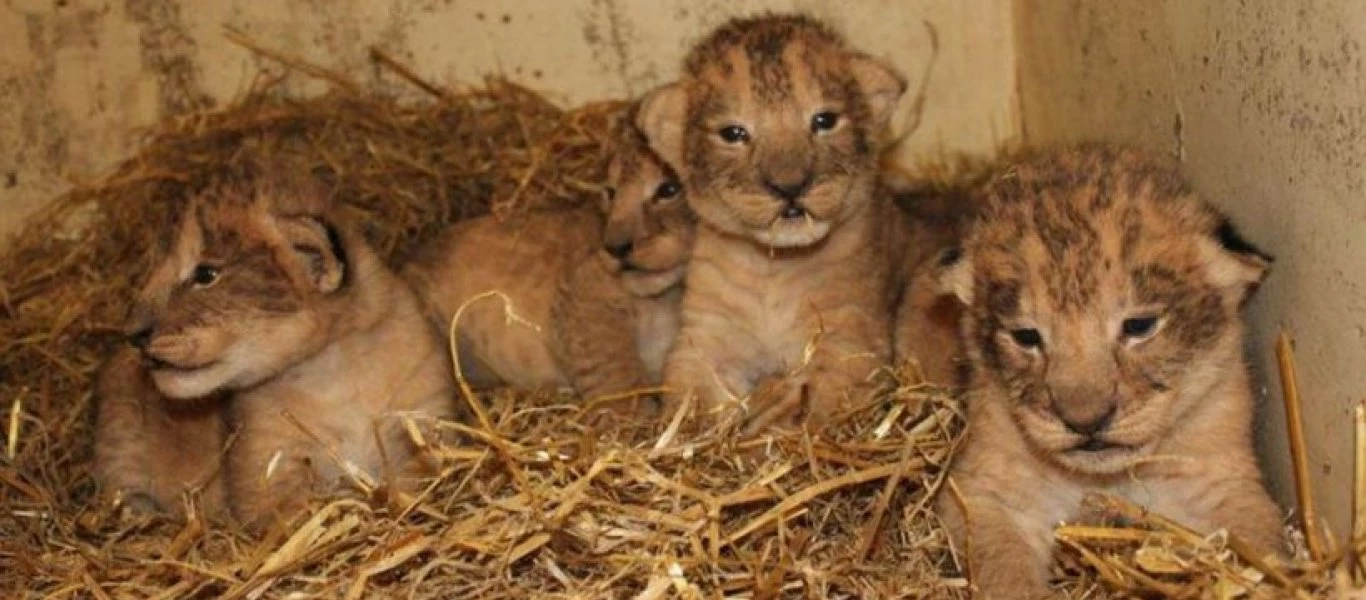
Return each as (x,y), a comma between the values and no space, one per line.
(795,232)
(196,382)
(1109,461)
(645,284)
(227,372)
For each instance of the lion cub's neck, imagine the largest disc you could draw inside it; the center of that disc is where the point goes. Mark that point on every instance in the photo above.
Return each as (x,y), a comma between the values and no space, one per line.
(375,331)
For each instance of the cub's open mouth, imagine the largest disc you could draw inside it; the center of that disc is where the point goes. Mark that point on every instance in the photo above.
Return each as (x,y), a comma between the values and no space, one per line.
(1092,445)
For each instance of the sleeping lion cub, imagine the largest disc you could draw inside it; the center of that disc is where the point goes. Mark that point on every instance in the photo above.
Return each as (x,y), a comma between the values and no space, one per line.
(595,305)
(1106,347)
(775,128)
(926,325)
(270,306)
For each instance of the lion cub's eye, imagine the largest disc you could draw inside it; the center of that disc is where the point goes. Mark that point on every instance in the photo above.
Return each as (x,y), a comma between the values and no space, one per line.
(610,192)
(1138,328)
(1027,338)
(204,275)
(667,190)
(734,134)
(824,121)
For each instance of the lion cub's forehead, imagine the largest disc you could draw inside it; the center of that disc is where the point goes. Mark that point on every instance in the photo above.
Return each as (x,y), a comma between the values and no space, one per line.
(227,225)
(768,61)
(633,162)
(1091,228)
(234,217)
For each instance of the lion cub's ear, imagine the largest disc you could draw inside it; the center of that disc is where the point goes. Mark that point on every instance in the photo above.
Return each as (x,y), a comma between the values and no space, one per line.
(317,247)
(662,117)
(881,84)
(953,274)
(1232,263)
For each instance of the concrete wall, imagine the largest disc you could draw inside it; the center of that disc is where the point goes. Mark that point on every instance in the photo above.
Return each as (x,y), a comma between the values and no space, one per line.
(79,78)
(1266,102)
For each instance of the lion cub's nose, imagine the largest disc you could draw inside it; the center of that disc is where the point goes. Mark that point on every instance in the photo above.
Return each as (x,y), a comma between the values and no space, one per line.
(789,191)
(619,250)
(140,337)
(1089,424)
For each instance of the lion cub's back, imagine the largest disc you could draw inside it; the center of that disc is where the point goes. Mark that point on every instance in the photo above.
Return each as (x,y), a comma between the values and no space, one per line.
(520,260)
(149,445)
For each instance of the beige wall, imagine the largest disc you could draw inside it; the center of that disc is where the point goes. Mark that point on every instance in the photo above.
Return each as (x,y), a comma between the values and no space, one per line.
(78,78)
(1266,102)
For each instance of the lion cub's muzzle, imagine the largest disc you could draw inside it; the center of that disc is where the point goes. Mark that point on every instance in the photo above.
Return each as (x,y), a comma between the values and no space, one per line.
(177,350)
(790,190)
(1090,423)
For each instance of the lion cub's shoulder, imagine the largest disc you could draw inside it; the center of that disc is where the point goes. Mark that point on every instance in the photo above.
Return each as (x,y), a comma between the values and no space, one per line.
(491,267)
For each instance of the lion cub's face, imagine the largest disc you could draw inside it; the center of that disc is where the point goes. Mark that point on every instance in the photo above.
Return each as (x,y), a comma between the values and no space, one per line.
(774,128)
(649,232)
(1103,303)
(238,299)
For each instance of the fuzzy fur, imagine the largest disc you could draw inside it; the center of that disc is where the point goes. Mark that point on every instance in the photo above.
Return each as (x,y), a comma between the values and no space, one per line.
(1071,244)
(299,318)
(792,286)
(589,319)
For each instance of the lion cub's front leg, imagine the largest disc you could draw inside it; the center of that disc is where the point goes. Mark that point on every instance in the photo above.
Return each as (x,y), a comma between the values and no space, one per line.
(151,449)
(703,369)
(274,469)
(594,337)
(1001,560)
(1211,501)
(843,359)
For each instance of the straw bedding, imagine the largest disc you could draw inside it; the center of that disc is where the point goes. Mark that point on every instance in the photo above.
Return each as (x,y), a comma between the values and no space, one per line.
(538,500)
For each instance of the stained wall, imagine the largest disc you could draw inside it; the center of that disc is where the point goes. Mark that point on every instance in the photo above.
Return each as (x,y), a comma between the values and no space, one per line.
(79,79)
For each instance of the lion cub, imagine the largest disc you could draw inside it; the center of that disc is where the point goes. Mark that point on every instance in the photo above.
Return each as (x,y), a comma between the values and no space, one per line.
(151,449)
(594,305)
(926,326)
(775,128)
(1102,326)
(271,302)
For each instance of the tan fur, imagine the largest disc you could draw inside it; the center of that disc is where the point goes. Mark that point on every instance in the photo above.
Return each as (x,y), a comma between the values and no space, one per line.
(300,318)
(926,327)
(151,449)
(1070,245)
(790,269)
(520,259)
(597,322)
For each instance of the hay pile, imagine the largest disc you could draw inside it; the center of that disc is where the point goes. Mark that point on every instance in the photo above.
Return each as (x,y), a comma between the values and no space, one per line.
(540,502)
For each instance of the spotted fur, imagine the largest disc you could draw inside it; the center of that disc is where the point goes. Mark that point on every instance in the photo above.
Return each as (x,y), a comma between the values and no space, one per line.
(1102,328)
